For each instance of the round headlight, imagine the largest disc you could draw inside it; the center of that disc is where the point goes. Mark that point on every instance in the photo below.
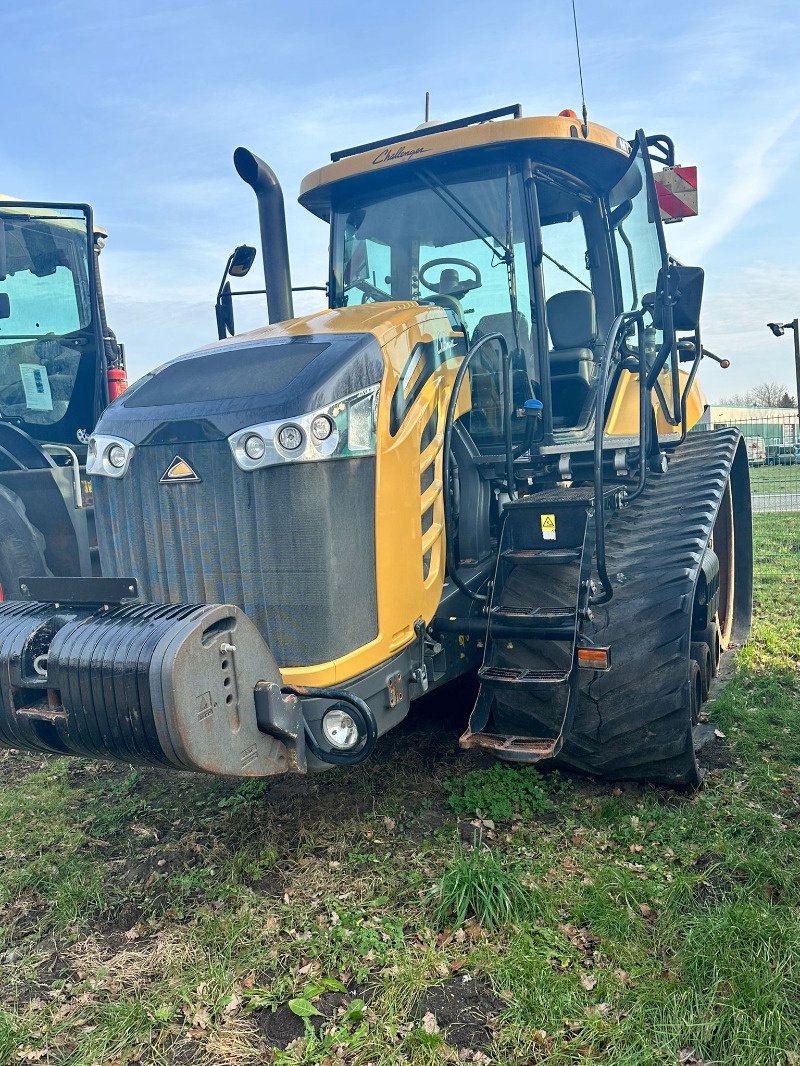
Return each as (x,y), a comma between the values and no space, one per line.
(290,438)
(254,447)
(339,729)
(321,427)
(116,456)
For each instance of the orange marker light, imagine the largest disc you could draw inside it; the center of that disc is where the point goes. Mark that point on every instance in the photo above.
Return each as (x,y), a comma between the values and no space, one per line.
(567,113)
(594,658)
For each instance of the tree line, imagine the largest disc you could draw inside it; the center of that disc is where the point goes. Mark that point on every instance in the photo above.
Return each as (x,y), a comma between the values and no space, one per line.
(767,394)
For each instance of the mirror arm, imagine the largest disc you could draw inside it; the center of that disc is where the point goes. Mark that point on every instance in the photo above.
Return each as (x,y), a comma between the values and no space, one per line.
(225,276)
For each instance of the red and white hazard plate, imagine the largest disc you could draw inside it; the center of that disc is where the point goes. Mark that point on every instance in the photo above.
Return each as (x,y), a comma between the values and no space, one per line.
(676,188)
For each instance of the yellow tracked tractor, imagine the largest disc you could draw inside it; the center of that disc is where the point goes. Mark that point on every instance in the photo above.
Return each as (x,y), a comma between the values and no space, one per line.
(477,458)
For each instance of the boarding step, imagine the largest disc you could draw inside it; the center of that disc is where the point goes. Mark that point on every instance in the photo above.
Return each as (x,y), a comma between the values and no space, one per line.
(514,748)
(542,556)
(512,675)
(576,496)
(534,618)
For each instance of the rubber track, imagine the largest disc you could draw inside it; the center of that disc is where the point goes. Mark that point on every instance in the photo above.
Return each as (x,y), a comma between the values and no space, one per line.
(634,721)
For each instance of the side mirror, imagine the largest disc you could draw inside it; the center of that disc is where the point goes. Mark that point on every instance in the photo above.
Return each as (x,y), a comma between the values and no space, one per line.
(5,305)
(683,287)
(224,311)
(241,261)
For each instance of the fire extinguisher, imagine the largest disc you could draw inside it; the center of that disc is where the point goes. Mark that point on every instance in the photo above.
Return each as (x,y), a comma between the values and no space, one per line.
(117,382)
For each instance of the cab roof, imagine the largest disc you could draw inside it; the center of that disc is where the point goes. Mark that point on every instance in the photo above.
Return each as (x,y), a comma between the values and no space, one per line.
(9,200)
(599,157)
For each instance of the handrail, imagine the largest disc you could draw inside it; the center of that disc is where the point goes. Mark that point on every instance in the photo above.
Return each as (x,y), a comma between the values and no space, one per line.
(644,410)
(449,528)
(620,323)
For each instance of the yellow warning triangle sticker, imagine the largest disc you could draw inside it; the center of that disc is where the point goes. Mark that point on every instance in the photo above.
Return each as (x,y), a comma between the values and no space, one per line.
(548,526)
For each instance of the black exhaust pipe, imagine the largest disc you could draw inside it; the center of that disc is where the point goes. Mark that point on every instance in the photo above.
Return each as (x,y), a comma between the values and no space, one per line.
(274,243)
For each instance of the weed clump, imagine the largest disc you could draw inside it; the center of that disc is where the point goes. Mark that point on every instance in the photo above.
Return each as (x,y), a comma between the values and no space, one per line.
(502,793)
(477,885)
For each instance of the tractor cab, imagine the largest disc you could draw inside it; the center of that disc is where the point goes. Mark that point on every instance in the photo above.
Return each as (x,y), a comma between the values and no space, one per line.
(55,349)
(538,230)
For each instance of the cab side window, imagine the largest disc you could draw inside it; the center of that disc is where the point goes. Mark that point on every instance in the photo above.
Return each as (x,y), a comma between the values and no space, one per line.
(636,245)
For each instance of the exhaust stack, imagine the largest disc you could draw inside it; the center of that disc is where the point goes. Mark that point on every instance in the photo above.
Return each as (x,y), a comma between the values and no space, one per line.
(274,242)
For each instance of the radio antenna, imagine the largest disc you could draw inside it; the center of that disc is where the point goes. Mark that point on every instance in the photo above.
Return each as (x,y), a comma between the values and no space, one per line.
(585,126)
(427,106)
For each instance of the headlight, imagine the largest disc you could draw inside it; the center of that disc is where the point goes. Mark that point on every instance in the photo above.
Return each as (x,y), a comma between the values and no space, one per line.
(339,729)
(108,456)
(342,430)
(321,427)
(254,446)
(116,456)
(290,438)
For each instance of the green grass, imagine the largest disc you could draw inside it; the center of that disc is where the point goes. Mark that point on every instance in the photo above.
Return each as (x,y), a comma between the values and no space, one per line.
(478,885)
(369,914)
(775,478)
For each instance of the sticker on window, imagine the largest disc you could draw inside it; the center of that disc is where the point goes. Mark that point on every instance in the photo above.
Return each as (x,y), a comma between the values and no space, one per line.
(37,387)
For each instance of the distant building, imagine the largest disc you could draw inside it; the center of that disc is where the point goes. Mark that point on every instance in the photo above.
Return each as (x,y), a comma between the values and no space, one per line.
(776,425)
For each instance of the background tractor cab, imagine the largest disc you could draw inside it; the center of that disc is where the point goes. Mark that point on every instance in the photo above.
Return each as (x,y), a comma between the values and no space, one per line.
(60,366)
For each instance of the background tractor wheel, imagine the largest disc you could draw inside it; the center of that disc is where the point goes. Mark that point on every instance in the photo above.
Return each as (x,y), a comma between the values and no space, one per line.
(701,654)
(21,546)
(695,690)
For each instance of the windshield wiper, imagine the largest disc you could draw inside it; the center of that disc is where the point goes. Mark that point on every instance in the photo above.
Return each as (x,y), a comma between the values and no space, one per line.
(566,270)
(463,213)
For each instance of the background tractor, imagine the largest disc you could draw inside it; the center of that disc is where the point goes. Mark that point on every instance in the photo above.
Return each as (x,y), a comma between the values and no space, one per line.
(60,365)
(477,458)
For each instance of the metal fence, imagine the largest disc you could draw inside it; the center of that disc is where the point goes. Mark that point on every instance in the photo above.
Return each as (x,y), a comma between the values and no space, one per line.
(773,447)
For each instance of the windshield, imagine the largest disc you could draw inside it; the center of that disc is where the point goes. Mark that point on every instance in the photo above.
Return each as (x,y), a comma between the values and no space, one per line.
(445,238)
(454,240)
(45,309)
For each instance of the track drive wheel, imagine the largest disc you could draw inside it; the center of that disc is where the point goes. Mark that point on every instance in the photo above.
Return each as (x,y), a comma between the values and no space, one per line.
(723,542)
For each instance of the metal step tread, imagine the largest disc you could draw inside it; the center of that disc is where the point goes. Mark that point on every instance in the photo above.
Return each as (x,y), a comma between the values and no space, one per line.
(537,747)
(520,676)
(545,615)
(542,556)
(580,495)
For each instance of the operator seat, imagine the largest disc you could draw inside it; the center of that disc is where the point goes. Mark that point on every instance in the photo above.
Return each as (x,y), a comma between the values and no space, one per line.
(572,322)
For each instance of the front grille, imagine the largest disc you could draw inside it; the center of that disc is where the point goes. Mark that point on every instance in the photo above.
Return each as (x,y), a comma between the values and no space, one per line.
(293,545)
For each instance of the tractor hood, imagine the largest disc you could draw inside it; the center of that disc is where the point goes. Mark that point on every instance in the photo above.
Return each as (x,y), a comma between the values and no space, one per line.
(211,393)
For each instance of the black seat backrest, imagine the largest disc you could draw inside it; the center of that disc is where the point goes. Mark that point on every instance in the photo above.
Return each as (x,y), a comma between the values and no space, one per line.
(572,321)
(504,323)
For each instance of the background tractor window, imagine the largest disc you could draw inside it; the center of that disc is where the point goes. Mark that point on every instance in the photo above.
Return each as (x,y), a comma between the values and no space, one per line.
(44,275)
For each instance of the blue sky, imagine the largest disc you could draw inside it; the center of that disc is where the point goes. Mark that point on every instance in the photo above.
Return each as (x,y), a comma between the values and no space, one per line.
(136,108)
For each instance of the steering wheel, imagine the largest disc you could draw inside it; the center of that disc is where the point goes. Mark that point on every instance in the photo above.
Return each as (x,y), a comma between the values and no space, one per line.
(461,288)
